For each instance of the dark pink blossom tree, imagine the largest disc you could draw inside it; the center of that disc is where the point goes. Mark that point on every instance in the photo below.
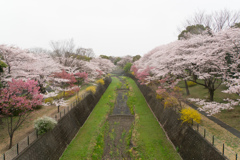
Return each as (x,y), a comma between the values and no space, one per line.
(18,99)
(81,77)
(67,81)
(64,75)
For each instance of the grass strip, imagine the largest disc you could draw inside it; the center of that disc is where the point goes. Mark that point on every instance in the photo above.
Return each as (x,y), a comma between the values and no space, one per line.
(149,139)
(84,143)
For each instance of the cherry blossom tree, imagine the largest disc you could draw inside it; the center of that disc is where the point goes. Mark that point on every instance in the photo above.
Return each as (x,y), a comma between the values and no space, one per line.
(203,56)
(104,65)
(65,83)
(81,77)
(26,65)
(214,107)
(98,67)
(202,59)
(125,60)
(64,75)
(18,99)
(67,80)
(39,50)
(169,92)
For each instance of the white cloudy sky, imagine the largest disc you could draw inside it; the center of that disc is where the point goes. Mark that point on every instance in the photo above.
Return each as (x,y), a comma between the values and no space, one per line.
(110,27)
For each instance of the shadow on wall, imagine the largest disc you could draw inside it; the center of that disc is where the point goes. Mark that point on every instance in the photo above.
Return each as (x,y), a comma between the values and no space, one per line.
(52,144)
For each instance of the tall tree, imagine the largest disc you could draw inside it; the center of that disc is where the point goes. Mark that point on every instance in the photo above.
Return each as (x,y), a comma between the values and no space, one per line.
(194,30)
(217,20)
(136,58)
(124,60)
(88,52)
(17,101)
(26,65)
(62,48)
(204,56)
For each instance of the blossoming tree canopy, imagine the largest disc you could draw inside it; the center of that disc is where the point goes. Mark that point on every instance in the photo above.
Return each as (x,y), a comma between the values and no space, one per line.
(104,65)
(26,65)
(125,60)
(213,59)
(203,55)
(97,66)
(18,99)
(81,76)
(64,75)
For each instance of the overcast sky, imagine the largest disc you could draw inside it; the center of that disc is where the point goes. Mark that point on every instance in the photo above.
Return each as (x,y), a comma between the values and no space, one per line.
(109,27)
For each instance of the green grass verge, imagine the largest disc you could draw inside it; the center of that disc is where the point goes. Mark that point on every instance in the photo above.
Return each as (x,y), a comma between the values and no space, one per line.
(91,133)
(149,139)
(199,91)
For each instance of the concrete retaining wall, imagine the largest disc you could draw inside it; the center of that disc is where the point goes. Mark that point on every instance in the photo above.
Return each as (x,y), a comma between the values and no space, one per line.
(191,144)
(52,144)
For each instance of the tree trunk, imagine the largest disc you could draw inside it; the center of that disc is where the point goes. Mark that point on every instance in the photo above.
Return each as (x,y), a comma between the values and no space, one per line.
(194,77)
(211,94)
(10,144)
(10,132)
(186,86)
(1,122)
(9,69)
(205,82)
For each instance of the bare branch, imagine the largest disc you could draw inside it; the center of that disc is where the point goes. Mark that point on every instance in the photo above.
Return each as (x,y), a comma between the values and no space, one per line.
(217,20)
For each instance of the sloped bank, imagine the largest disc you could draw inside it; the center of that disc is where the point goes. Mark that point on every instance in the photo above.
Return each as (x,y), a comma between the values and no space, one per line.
(52,144)
(190,144)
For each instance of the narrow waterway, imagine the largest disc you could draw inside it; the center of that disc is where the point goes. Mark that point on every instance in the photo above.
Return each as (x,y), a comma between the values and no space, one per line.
(118,137)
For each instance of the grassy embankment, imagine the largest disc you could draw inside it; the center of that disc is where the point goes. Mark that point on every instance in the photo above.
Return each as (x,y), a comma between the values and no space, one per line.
(149,140)
(91,133)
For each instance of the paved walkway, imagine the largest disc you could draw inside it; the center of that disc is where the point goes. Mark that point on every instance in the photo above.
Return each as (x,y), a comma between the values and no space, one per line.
(222,124)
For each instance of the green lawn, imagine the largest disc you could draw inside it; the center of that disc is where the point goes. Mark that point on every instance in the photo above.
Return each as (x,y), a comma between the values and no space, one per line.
(150,141)
(84,143)
(199,91)
(231,117)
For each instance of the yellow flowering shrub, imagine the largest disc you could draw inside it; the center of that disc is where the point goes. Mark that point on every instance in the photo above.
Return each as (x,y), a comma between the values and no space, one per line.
(48,100)
(177,89)
(91,89)
(170,102)
(159,97)
(100,81)
(188,115)
(132,73)
(108,75)
(69,93)
(190,83)
(162,96)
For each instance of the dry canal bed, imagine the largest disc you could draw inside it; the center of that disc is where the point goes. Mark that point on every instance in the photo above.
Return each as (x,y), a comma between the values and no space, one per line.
(121,126)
